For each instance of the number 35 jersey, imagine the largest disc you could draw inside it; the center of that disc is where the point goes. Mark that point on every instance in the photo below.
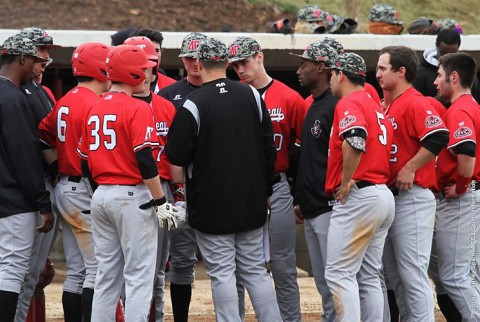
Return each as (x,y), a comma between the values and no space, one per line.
(359,111)
(62,128)
(287,110)
(413,119)
(116,127)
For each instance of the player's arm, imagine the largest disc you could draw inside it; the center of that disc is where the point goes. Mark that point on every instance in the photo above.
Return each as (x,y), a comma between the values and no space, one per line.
(24,159)
(182,135)
(431,147)
(465,153)
(269,148)
(353,146)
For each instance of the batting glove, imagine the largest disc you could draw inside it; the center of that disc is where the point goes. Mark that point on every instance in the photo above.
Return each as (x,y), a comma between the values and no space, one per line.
(181,215)
(166,212)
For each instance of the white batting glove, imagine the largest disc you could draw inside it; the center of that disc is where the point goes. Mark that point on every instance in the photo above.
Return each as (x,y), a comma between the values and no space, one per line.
(181,215)
(166,212)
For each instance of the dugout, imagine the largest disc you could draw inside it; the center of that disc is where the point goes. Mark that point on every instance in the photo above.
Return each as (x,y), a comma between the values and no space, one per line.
(276,47)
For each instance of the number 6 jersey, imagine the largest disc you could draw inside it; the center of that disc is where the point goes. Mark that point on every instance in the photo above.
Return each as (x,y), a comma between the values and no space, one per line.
(359,111)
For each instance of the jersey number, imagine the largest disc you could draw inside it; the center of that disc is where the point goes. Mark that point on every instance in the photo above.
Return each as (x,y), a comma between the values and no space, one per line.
(382,137)
(61,123)
(278,141)
(110,137)
(160,152)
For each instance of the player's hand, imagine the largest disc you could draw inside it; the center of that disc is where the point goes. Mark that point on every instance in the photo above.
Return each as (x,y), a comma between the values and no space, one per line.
(298,215)
(405,179)
(449,192)
(181,214)
(166,213)
(47,223)
(342,191)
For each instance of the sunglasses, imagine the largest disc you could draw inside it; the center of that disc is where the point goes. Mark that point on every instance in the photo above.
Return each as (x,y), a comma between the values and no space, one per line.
(50,60)
(46,40)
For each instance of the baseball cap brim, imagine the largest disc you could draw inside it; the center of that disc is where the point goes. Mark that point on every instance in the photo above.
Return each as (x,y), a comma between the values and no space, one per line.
(189,55)
(49,46)
(234,59)
(150,64)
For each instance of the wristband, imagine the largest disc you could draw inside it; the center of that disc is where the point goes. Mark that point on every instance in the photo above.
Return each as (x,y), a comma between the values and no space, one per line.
(462,184)
(161,201)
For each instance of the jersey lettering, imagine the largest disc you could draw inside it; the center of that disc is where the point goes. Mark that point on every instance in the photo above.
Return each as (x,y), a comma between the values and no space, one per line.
(61,123)
(276,114)
(110,141)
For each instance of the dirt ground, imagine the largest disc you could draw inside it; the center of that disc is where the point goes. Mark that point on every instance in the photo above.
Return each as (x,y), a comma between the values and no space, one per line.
(201,309)
(165,15)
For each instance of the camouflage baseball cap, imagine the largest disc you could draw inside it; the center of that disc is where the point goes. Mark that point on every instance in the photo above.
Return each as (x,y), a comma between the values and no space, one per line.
(319,52)
(310,13)
(384,13)
(242,48)
(335,44)
(212,50)
(449,23)
(190,43)
(18,44)
(352,63)
(40,37)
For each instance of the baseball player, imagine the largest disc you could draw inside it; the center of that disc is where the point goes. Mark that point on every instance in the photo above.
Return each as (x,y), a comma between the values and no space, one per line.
(313,204)
(287,111)
(357,173)
(183,245)
(163,113)
(419,135)
(458,171)
(117,141)
(224,127)
(161,80)
(62,128)
(21,196)
(41,104)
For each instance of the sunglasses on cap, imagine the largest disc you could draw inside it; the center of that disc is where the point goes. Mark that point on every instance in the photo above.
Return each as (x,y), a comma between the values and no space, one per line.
(45,41)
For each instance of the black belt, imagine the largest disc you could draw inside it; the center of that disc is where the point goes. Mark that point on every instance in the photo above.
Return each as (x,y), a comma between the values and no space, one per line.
(277,179)
(363,184)
(394,191)
(75,179)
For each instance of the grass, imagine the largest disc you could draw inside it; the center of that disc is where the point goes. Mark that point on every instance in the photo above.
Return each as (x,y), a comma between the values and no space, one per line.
(464,11)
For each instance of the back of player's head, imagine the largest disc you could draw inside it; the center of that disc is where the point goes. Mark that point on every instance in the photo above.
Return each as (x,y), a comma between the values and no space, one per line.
(402,56)
(153,35)
(242,48)
(144,43)
(461,63)
(212,53)
(448,37)
(89,60)
(353,67)
(126,64)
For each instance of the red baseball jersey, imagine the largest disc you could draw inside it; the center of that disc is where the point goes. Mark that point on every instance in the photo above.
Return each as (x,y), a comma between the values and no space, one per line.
(50,93)
(359,110)
(163,114)
(463,121)
(62,128)
(413,118)
(287,110)
(163,81)
(116,127)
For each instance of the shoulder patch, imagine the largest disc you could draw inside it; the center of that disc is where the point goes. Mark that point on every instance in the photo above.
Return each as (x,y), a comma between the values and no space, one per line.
(346,121)
(432,121)
(462,132)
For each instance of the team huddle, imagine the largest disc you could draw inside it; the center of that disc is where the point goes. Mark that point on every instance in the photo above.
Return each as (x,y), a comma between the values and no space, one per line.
(137,167)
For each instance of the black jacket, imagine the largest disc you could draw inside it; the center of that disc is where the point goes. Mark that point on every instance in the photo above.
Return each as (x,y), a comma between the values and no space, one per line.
(224,137)
(312,167)
(22,185)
